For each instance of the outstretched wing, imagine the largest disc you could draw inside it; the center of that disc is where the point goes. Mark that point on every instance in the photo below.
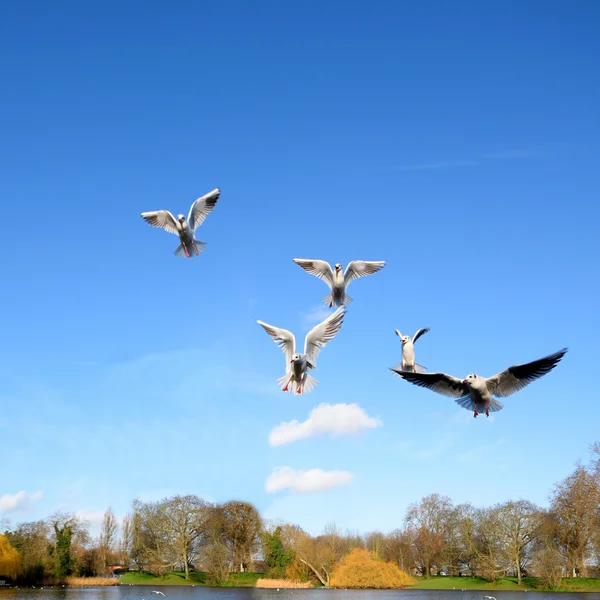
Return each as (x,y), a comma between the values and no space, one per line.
(436,382)
(319,268)
(321,334)
(419,334)
(516,378)
(161,218)
(201,207)
(283,338)
(360,268)
(398,333)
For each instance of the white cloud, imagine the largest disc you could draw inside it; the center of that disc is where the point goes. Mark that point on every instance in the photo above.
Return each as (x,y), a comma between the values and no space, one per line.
(337,419)
(313,480)
(19,501)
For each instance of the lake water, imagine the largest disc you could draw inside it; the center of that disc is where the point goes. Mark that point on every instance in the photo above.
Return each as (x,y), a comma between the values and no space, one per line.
(206,593)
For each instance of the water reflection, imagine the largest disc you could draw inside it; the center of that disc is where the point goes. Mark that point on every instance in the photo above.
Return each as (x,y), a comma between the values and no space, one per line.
(142,592)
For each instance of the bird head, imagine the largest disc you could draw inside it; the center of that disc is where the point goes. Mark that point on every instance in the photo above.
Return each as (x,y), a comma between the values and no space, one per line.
(295,358)
(338,267)
(181,218)
(405,339)
(470,379)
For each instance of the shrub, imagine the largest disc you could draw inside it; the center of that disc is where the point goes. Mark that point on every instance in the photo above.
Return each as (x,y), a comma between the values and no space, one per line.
(362,569)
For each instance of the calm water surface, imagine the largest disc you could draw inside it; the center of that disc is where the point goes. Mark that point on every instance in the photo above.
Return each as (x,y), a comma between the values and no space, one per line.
(203,593)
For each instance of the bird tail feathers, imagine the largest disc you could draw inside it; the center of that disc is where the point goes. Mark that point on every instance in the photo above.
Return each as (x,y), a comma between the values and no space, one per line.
(467,402)
(180,250)
(309,383)
(331,301)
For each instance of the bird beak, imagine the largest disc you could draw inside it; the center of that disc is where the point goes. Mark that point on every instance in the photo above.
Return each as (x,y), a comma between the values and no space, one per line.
(403,342)
(291,361)
(465,381)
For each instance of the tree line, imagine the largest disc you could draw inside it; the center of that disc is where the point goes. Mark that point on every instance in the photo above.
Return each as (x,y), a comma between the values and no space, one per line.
(186,533)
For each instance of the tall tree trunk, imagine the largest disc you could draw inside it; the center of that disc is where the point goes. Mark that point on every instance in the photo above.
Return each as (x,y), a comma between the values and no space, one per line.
(518,569)
(185,563)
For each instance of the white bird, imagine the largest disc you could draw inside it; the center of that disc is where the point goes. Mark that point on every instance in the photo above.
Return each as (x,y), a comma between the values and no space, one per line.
(489,598)
(182,227)
(338,280)
(408,351)
(157,592)
(475,392)
(296,378)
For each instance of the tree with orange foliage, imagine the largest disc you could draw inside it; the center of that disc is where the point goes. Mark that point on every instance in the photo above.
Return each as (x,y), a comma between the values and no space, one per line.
(362,569)
(10,561)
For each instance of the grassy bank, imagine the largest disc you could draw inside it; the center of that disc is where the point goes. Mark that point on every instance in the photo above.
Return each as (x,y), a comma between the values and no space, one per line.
(433,583)
(505,583)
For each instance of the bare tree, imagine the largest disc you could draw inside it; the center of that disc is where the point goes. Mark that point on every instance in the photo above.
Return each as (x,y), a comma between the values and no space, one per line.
(428,521)
(518,523)
(186,518)
(125,540)
(574,504)
(241,528)
(108,534)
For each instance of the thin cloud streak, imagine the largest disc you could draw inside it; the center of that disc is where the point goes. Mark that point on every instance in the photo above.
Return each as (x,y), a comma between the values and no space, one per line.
(516,153)
(443,164)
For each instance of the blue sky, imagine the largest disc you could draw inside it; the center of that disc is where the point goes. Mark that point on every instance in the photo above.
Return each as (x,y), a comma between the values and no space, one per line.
(457,141)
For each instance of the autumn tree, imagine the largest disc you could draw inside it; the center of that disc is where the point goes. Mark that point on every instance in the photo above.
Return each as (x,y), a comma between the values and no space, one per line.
(491,556)
(363,569)
(318,554)
(10,562)
(32,540)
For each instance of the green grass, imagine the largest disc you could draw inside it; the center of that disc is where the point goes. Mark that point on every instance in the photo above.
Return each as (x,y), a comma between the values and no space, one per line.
(178,578)
(504,583)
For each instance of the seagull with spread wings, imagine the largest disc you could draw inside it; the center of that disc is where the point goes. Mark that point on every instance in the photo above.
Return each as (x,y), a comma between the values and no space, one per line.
(297,378)
(182,227)
(408,351)
(338,280)
(475,392)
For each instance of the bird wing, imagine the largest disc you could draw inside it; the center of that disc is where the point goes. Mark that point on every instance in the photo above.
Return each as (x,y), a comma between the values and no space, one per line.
(436,382)
(360,268)
(318,337)
(419,334)
(161,218)
(319,268)
(515,378)
(283,338)
(201,207)
(398,333)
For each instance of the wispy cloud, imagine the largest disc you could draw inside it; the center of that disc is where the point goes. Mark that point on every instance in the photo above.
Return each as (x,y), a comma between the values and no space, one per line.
(303,482)
(515,153)
(18,502)
(315,315)
(336,419)
(442,164)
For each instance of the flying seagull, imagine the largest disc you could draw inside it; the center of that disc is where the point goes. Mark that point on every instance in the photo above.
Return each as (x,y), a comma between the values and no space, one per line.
(408,351)
(296,378)
(157,592)
(475,392)
(182,227)
(338,280)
